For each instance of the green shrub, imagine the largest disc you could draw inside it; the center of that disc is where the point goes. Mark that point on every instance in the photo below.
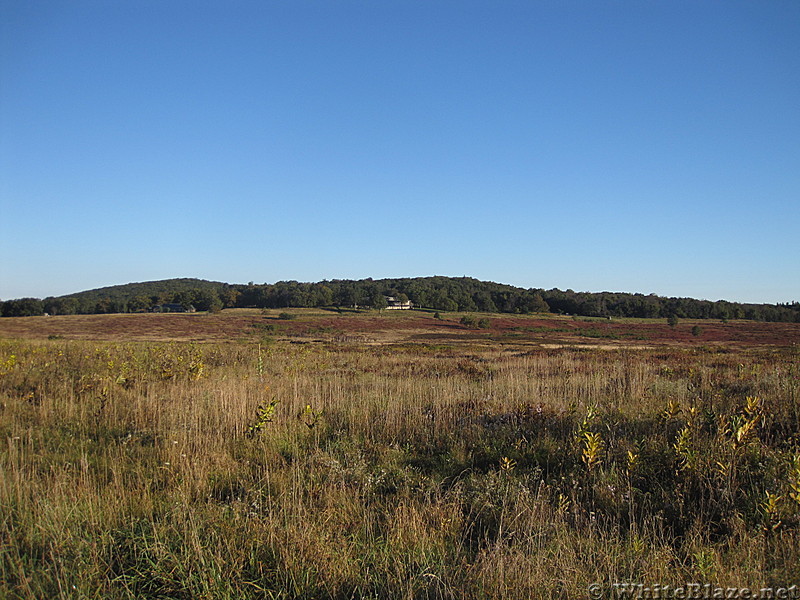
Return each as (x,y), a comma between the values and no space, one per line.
(469,321)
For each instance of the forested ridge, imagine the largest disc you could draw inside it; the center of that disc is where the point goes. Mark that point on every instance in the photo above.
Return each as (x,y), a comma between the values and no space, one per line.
(463,294)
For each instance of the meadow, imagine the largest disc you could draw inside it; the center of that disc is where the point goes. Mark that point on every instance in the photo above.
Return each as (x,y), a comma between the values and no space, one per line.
(327,456)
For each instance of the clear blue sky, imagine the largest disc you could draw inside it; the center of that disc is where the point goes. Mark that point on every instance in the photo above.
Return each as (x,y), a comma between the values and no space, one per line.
(621,145)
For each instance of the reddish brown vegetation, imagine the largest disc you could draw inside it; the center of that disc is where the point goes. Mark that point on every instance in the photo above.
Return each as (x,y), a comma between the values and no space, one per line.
(408,327)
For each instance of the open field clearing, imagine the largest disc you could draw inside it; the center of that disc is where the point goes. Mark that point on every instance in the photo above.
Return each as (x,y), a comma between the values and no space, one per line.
(398,326)
(357,455)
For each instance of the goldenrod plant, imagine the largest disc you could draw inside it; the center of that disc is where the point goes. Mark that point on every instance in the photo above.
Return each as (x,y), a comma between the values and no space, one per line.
(592,450)
(264,415)
(310,417)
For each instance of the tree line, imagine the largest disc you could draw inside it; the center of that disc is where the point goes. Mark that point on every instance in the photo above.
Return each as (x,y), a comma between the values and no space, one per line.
(450,294)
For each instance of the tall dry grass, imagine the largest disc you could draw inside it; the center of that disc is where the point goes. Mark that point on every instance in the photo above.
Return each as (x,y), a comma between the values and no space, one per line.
(134,471)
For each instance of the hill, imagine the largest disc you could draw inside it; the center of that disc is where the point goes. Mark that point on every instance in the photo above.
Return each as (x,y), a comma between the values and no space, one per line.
(147,288)
(450,294)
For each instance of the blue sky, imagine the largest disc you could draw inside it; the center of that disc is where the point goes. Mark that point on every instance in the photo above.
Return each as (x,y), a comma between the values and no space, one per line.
(637,146)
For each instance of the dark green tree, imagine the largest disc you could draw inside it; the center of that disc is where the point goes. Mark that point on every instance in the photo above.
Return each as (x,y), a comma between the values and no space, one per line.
(61,306)
(23,307)
(139,303)
(379,301)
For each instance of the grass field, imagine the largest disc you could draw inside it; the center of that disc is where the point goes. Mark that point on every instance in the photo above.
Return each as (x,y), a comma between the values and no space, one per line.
(395,455)
(317,325)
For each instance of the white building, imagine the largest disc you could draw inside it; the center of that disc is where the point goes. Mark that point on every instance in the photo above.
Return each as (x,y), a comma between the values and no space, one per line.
(393,303)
